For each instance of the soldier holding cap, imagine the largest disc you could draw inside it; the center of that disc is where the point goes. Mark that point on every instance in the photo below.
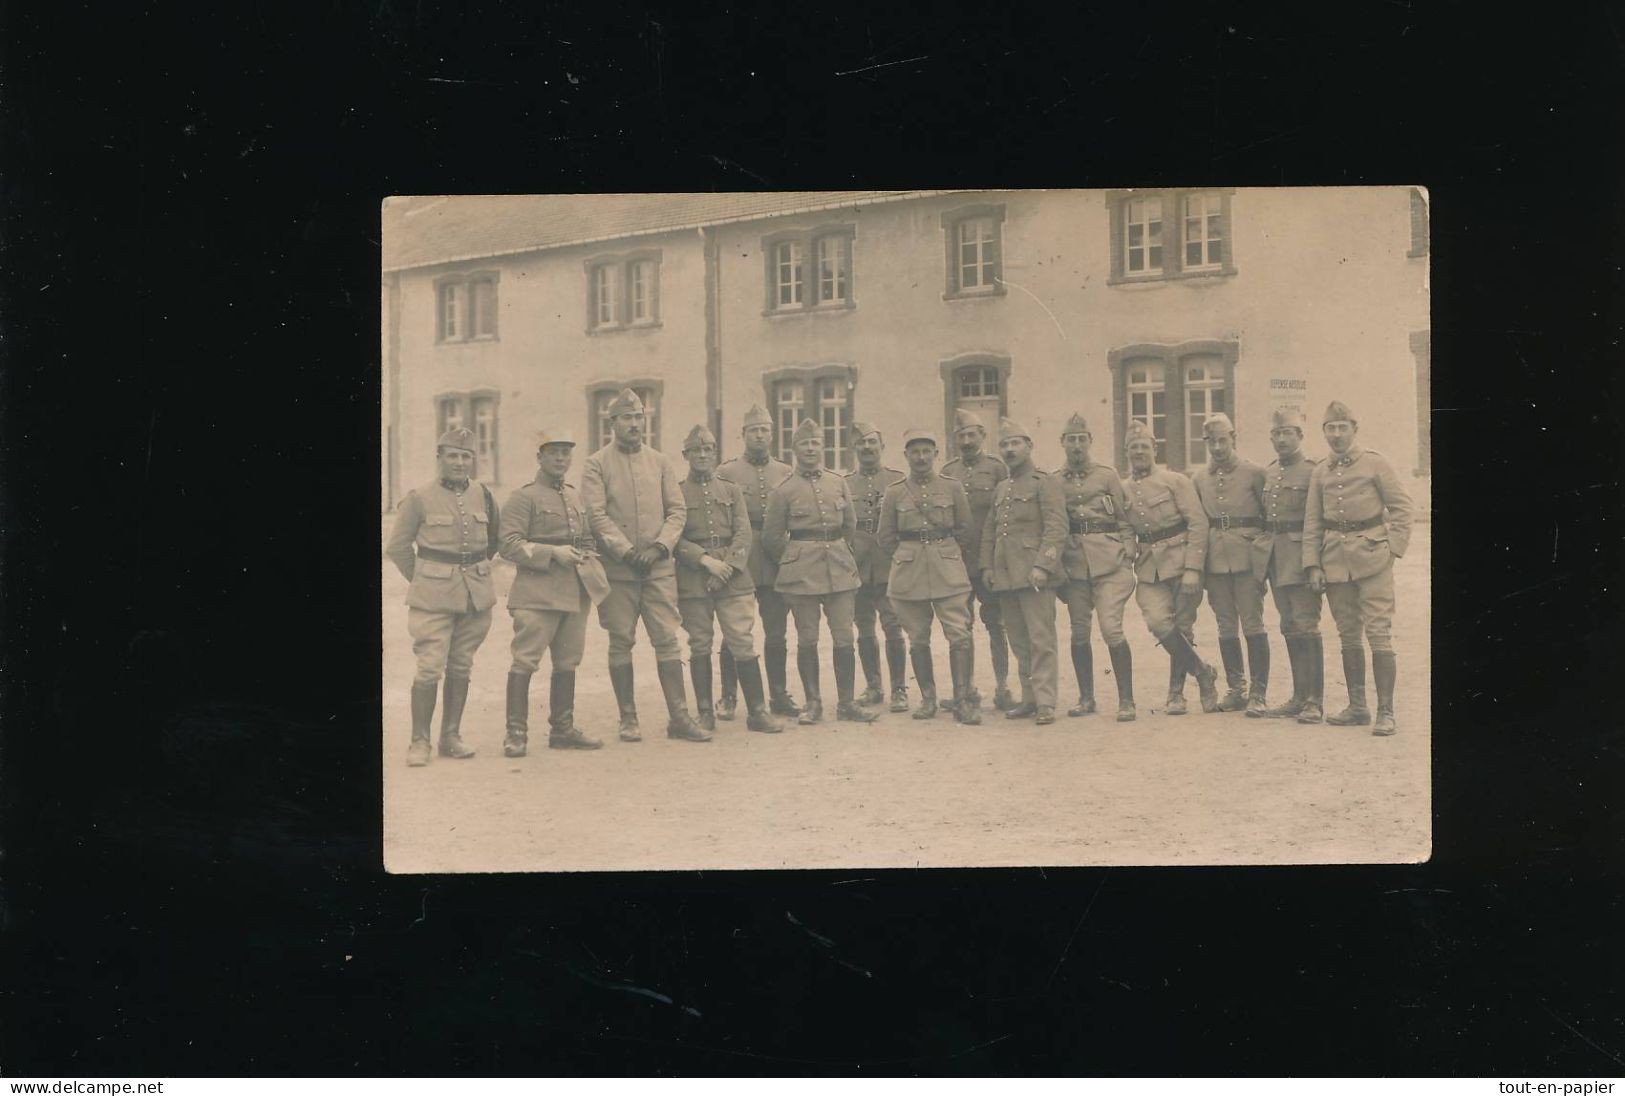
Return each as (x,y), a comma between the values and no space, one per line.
(1171,528)
(1021,562)
(867,484)
(1278,557)
(925,528)
(443,541)
(1098,567)
(981,474)
(557,575)
(1231,489)
(756,472)
(808,531)
(636,509)
(1357,522)
(714,583)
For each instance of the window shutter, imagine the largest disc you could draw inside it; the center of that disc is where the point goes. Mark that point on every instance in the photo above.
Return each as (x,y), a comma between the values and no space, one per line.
(653,290)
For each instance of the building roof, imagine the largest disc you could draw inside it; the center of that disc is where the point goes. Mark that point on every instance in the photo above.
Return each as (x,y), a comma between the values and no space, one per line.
(428,231)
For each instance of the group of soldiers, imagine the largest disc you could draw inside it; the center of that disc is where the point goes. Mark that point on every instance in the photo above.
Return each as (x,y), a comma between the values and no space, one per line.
(988,536)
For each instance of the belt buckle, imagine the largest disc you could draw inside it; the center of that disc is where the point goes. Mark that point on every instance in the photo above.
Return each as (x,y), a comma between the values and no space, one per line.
(715,542)
(1224,522)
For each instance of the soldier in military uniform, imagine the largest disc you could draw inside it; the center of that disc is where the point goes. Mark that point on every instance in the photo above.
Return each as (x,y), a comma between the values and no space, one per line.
(981,473)
(1171,528)
(714,583)
(1231,490)
(867,485)
(808,531)
(557,576)
(444,537)
(1278,557)
(1357,522)
(925,529)
(636,509)
(1098,567)
(1021,562)
(757,473)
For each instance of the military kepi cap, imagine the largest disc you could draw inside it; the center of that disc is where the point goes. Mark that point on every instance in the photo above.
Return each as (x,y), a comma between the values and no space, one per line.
(1337,411)
(756,416)
(1010,428)
(861,430)
(547,437)
(918,433)
(1137,430)
(697,437)
(1216,423)
(967,420)
(807,429)
(458,437)
(1286,416)
(625,403)
(1077,424)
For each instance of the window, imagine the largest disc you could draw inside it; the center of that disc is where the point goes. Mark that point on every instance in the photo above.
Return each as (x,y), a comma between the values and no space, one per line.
(467,307)
(602,394)
(974,240)
(1172,390)
(821,393)
(476,410)
(1419,225)
(623,291)
(979,383)
(795,284)
(1167,234)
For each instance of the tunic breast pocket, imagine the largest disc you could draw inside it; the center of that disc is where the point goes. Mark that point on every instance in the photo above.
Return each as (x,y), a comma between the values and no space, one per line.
(801,511)
(1160,505)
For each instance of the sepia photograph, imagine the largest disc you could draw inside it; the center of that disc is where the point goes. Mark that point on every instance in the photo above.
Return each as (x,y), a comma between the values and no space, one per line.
(881,529)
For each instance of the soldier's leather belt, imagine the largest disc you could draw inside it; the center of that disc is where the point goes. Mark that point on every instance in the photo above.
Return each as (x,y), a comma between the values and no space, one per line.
(925,536)
(1353,526)
(815,534)
(586,544)
(1162,534)
(869,525)
(1225,521)
(461,558)
(1283,527)
(1081,526)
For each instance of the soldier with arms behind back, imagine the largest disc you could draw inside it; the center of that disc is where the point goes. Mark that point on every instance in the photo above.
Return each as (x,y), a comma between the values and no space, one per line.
(1278,557)
(981,473)
(867,485)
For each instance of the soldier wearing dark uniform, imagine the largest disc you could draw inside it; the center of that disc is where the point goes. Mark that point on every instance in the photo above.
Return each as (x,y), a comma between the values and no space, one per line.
(1098,566)
(1231,489)
(757,473)
(1021,562)
(1278,557)
(557,576)
(867,485)
(443,541)
(714,583)
(925,529)
(808,532)
(636,509)
(1171,528)
(981,473)
(1357,522)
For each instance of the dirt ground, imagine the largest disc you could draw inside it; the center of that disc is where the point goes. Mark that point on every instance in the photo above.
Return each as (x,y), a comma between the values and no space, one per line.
(1195,789)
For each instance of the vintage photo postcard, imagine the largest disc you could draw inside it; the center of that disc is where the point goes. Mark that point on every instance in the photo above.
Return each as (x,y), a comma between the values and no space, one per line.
(905,529)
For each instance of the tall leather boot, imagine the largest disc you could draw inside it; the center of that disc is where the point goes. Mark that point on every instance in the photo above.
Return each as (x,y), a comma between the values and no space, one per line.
(622,679)
(846,672)
(1176,682)
(1384,670)
(679,724)
(1123,671)
(869,655)
(1313,653)
(758,718)
(1294,705)
(1258,668)
(518,721)
(774,656)
(699,672)
(1234,679)
(967,708)
(1083,665)
(424,695)
(728,702)
(999,653)
(451,719)
(807,664)
(925,673)
(561,715)
(1356,714)
(1179,648)
(897,669)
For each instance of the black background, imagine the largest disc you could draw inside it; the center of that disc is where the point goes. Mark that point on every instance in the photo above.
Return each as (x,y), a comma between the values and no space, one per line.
(191,879)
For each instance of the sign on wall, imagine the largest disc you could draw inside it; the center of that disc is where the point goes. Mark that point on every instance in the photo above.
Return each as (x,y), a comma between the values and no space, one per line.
(1289,392)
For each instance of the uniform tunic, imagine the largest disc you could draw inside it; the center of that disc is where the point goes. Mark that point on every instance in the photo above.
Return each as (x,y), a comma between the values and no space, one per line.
(1228,493)
(927,574)
(1160,500)
(1095,557)
(808,529)
(1357,487)
(541,522)
(448,603)
(867,490)
(1026,528)
(634,501)
(718,526)
(1278,554)
(981,478)
(756,481)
